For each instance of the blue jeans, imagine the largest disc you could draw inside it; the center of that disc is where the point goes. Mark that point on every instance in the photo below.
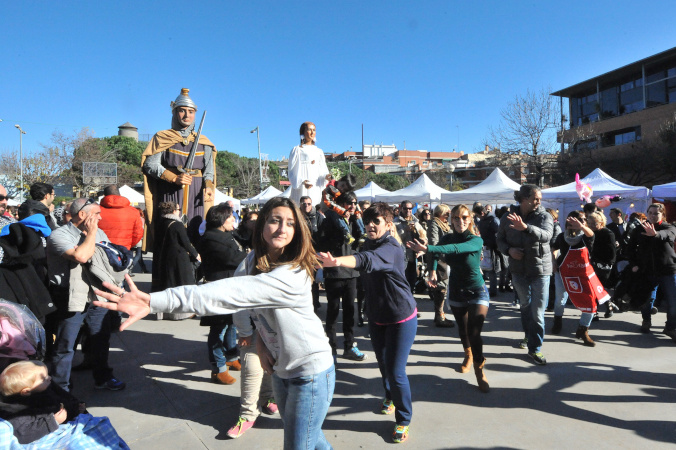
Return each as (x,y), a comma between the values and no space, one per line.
(668,285)
(303,403)
(533,292)
(392,345)
(561,299)
(222,344)
(61,360)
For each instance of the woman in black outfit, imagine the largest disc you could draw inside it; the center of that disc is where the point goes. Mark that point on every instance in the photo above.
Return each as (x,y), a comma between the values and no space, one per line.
(221,254)
(173,253)
(603,254)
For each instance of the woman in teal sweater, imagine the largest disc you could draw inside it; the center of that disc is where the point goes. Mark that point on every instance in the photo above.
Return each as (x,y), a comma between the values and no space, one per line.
(467,293)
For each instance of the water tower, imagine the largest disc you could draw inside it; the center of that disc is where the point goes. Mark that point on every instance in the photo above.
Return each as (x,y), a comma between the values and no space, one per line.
(128,130)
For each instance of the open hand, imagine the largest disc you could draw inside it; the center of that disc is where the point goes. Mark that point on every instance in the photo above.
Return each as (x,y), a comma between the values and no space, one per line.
(649,229)
(135,303)
(417,246)
(517,222)
(328,260)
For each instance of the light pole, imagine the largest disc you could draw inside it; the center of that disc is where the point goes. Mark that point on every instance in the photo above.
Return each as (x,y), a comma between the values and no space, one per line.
(260,164)
(21,133)
(451,169)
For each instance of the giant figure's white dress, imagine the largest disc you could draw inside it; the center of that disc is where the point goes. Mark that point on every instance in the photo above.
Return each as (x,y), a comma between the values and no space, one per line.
(306,162)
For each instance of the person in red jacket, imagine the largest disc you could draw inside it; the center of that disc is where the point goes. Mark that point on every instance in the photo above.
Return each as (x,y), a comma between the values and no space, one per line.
(119,220)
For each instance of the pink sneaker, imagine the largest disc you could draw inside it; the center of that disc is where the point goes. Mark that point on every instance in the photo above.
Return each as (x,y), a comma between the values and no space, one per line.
(240,428)
(270,407)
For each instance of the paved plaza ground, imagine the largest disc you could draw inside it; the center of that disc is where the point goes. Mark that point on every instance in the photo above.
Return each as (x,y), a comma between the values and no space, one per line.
(620,394)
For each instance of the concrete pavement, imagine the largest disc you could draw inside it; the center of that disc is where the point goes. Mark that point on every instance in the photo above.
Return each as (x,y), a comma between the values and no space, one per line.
(620,394)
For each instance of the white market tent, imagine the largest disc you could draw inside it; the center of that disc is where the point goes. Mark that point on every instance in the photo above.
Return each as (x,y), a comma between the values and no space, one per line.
(496,189)
(286,193)
(220,197)
(665,191)
(267,194)
(132,195)
(565,198)
(370,191)
(420,191)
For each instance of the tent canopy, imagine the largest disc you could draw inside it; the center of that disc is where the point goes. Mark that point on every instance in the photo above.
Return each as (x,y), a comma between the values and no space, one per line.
(665,190)
(370,191)
(497,188)
(420,191)
(267,194)
(133,196)
(220,197)
(565,198)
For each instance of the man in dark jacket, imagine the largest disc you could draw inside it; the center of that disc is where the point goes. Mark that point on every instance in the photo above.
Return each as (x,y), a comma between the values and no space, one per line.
(651,253)
(341,282)
(524,235)
(313,220)
(42,196)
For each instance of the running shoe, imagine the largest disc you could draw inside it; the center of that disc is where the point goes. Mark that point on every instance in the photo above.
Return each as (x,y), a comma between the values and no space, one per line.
(523,343)
(240,428)
(400,433)
(538,357)
(270,407)
(387,407)
(355,354)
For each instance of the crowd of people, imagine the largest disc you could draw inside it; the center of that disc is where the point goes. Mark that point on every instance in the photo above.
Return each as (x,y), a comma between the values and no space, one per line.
(72,267)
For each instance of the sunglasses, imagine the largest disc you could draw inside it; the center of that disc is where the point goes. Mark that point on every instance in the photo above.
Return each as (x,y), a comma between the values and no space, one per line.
(406,209)
(6,197)
(353,203)
(89,201)
(463,218)
(375,222)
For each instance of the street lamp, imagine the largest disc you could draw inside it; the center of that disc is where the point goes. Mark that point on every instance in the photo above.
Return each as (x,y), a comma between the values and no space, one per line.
(21,133)
(260,164)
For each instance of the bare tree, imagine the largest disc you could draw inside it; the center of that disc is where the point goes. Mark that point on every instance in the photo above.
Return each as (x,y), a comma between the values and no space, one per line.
(528,131)
(248,177)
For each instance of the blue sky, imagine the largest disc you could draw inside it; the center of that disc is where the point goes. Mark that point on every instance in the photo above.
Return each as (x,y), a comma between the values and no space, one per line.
(431,74)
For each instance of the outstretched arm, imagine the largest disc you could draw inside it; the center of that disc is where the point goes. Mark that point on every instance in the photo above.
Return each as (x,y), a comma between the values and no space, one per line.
(328,260)
(135,303)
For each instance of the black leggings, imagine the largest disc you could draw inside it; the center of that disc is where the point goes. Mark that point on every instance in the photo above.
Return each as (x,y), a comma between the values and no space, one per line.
(470,322)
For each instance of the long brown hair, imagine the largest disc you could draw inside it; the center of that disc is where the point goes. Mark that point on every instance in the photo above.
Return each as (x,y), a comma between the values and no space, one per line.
(457,210)
(299,253)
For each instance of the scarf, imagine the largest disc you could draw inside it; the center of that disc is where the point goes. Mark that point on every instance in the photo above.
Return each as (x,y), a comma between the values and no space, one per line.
(171,216)
(445,226)
(574,239)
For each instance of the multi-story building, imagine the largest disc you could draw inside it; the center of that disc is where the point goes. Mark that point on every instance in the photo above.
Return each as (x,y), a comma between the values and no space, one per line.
(610,114)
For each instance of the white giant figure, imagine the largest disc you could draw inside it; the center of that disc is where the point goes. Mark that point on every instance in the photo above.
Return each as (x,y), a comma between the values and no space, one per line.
(307,167)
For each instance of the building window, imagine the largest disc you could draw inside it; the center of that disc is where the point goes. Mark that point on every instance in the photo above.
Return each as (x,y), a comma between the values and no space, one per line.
(586,145)
(620,137)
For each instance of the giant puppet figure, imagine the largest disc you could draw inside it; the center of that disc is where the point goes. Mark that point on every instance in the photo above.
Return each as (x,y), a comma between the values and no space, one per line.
(165,179)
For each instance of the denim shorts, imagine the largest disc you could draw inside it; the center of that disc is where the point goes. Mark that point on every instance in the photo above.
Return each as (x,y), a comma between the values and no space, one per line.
(462,298)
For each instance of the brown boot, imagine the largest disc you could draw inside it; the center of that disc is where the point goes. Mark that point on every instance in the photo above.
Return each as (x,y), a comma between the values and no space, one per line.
(558,324)
(481,377)
(467,362)
(223,378)
(582,333)
(234,365)
(440,319)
